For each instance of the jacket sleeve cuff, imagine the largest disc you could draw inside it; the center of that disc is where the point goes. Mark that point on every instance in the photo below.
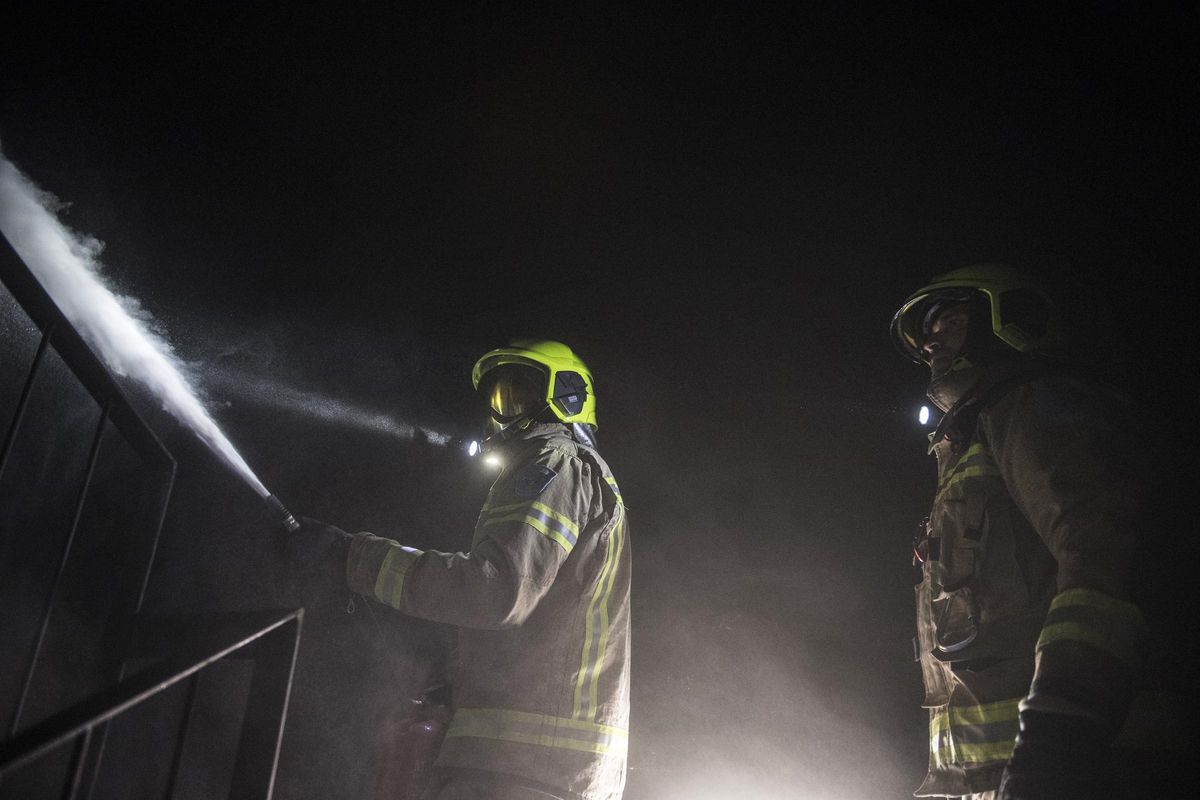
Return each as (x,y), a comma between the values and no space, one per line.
(376,567)
(1088,657)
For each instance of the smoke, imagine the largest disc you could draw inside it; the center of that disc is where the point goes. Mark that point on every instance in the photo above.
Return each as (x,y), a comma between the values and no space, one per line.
(67,265)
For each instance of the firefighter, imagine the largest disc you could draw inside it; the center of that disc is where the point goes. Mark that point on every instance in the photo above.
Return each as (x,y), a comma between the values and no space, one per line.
(1031,639)
(540,693)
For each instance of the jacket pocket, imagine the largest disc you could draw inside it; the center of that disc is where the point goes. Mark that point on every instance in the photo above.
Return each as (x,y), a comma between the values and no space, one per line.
(955,620)
(962,528)
(935,675)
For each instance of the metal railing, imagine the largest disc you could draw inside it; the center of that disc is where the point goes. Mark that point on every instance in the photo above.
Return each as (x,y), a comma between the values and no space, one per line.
(270,638)
(182,647)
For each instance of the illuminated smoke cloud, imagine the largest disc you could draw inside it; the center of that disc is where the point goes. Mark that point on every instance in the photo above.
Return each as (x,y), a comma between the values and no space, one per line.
(66,264)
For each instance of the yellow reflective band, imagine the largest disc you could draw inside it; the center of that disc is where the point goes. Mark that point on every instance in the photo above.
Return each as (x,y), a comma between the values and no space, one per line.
(958,477)
(977,455)
(589,632)
(529,738)
(1110,625)
(566,522)
(562,519)
(972,451)
(384,575)
(1114,645)
(541,518)
(586,691)
(973,753)
(968,458)
(389,583)
(605,628)
(986,714)
(1094,599)
(961,734)
(539,729)
(538,525)
(541,528)
(613,483)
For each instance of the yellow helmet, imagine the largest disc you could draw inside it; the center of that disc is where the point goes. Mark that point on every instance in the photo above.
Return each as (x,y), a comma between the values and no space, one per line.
(1018,307)
(563,383)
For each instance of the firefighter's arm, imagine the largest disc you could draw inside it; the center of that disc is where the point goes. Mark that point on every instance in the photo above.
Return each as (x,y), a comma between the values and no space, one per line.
(1074,474)
(525,532)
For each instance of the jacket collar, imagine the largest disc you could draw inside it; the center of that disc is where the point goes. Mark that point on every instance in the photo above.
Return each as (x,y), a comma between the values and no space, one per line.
(986,384)
(518,440)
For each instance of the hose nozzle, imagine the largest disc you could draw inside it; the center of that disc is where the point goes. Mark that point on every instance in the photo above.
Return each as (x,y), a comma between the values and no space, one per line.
(281,513)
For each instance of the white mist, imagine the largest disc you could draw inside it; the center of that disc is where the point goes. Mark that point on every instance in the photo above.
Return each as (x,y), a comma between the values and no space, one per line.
(67,266)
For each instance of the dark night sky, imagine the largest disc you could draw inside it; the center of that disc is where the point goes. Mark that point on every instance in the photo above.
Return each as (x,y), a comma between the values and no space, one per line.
(719,209)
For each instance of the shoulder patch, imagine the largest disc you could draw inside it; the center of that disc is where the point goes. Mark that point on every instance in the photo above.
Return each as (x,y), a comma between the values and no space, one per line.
(533,480)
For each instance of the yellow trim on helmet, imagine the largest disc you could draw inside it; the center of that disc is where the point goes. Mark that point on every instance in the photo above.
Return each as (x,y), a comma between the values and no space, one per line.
(992,281)
(552,358)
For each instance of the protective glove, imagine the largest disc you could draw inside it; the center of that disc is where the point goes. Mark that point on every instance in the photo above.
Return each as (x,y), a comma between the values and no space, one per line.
(312,561)
(1059,757)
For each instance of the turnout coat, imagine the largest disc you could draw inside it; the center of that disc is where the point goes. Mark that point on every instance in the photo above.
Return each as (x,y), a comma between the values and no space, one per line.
(541,600)
(1026,592)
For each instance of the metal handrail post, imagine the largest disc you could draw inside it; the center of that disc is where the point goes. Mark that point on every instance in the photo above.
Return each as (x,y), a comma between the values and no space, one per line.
(159,510)
(78,761)
(52,595)
(184,723)
(266,714)
(240,631)
(10,438)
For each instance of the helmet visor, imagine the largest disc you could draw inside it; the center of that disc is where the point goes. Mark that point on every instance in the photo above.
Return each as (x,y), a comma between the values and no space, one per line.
(911,326)
(513,390)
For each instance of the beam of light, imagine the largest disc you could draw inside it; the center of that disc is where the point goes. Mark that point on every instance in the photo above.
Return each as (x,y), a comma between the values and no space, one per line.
(923,415)
(117,328)
(271,393)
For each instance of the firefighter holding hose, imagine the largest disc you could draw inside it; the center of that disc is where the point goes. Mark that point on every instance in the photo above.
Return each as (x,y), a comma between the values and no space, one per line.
(1048,668)
(540,691)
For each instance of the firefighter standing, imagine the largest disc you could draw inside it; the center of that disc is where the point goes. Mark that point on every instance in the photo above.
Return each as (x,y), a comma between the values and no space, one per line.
(541,598)
(1032,647)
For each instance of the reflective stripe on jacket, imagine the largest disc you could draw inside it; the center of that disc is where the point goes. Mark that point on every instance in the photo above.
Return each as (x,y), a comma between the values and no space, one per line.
(541,601)
(1032,534)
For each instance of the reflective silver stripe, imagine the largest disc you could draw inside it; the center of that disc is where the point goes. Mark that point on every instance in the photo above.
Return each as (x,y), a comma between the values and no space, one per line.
(596,625)
(612,482)
(389,583)
(539,729)
(976,462)
(976,734)
(1095,619)
(537,515)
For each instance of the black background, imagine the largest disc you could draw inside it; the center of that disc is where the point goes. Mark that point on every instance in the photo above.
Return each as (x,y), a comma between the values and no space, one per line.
(719,207)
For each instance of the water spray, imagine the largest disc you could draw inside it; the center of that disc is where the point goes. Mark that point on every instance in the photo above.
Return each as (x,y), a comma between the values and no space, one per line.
(67,266)
(276,394)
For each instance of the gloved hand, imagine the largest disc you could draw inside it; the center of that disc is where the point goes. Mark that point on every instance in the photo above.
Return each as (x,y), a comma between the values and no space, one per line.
(1059,757)
(312,561)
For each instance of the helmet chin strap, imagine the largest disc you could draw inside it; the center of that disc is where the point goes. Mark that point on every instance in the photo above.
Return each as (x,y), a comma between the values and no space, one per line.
(952,385)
